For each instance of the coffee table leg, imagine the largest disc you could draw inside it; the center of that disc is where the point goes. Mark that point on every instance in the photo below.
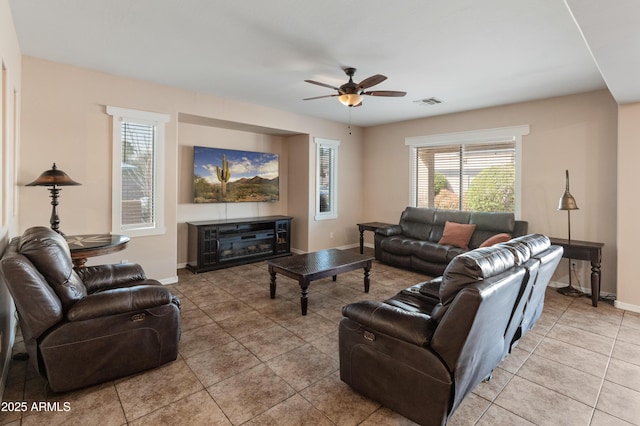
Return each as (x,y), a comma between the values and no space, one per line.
(367,270)
(272,284)
(304,296)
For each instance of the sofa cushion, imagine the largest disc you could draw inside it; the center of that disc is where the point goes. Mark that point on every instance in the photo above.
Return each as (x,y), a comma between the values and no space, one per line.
(429,251)
(431,288)
(457,234)
(397,245)
(521,252)
(498,238)
(489,224)
(49,253)
(473,266)
(416,222)
(537,243)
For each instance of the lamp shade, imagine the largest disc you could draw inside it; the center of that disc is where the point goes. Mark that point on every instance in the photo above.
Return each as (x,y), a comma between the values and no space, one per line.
(53,177)
(350,99)
(567,202)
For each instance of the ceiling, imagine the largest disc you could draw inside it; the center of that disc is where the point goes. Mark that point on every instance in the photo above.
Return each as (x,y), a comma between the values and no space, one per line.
(468,54)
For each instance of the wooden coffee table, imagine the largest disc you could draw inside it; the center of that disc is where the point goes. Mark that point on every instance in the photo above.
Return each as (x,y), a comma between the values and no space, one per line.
(314,266)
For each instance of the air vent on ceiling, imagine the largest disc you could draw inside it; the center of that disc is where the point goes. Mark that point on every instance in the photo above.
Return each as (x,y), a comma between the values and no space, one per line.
(428,101)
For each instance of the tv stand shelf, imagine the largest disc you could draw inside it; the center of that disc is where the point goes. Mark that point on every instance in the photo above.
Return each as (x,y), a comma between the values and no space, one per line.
(217,244)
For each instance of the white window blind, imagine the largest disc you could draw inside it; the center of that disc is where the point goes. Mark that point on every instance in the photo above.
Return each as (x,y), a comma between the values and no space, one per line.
(138,155)
(470,170)
(326,171)
(138,162)
(326,179)
(478,177)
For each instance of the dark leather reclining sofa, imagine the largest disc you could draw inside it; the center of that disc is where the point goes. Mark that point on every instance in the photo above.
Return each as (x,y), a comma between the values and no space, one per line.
(420,355)
(414,242)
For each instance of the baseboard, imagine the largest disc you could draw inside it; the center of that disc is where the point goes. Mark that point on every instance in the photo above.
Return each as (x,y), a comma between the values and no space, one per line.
(627,306)
(603,294)
(170,280)
(349,246)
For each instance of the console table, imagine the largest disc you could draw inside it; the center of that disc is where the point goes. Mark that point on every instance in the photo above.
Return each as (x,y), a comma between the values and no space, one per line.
(584,250)
(369,226)
(215,244)
(84,246)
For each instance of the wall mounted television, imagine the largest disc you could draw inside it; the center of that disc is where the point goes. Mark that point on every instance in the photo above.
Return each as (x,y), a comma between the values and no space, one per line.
(232,176)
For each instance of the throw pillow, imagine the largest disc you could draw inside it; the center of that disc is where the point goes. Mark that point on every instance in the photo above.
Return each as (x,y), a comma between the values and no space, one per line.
(498,238)
(457,234)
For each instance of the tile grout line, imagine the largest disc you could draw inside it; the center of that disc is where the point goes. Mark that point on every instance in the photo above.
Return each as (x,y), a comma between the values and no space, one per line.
(604,375)
(515,373)
(265,363)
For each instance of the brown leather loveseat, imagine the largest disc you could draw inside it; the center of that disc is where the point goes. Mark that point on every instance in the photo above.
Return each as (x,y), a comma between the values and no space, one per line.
(85,327)
(421,356)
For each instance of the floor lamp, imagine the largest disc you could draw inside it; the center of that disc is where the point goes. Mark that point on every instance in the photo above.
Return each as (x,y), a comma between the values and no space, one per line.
(568,203)
(54,178)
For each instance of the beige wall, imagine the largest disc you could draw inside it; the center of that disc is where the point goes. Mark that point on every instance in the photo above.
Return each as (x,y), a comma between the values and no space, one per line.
(203,135)
(333,233)
(10,99)
(628,206)
(577,133)
(300,187)
(64,120)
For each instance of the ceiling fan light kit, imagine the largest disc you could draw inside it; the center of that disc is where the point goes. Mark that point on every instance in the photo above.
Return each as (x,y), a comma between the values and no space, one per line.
(351,94)
(350,100)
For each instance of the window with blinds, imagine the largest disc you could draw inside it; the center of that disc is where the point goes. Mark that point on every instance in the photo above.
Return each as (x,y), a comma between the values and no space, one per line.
(478,176)
(326,171)
(138,159)
(326,178)
(137,174)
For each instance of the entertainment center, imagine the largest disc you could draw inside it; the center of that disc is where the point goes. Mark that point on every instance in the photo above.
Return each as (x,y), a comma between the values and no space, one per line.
(219,244)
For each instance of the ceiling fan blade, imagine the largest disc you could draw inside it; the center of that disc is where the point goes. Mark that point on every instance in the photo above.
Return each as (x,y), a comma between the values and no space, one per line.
(323,85)
(389,93)
(318,97)
(372,81)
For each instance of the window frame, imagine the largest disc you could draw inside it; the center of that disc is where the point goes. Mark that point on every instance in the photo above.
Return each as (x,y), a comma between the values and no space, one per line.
(157,225)
(333,179)
(483,136)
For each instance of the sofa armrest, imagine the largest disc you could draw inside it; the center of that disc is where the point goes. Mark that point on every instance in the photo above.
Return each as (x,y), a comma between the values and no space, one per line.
(120,300)
(388,231)
(101,277)
(412,327)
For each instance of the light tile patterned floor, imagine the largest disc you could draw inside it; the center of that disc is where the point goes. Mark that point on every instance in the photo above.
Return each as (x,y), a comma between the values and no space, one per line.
(247,359)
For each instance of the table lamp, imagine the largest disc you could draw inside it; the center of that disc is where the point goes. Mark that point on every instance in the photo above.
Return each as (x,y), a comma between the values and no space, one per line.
(54,178)
(568,203)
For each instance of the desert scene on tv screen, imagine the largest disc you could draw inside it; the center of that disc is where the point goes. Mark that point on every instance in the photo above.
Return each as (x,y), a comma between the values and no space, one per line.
(232,176)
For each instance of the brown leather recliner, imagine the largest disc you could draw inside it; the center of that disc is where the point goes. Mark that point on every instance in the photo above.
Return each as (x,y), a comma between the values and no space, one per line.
(89,326)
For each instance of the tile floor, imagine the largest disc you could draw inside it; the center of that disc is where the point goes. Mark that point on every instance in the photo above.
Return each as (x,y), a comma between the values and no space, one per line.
(247,359)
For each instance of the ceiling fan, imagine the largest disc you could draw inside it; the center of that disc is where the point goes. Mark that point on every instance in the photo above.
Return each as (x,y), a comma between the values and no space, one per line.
(351,93)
